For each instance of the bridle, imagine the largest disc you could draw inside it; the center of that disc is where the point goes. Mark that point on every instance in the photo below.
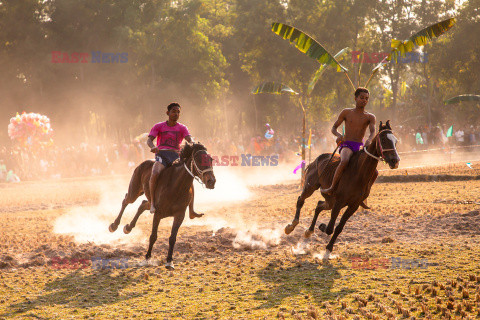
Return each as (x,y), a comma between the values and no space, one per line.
(200,173)
(379,146)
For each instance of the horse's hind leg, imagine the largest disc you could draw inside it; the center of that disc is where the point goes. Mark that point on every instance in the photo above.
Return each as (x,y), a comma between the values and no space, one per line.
(321,205)
(308,190)
(135,190)
(129,226)
(177,222)
(346,215)
(129,198)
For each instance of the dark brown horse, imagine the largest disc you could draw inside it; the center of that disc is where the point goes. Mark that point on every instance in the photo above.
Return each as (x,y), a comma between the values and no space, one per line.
(174,192)
(353,187)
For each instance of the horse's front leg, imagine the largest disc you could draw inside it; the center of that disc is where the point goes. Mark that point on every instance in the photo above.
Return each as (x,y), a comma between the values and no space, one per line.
(177,222)
(321,205)
(333,217)
(191,211)
(346,215)
(370,184)
(153,236)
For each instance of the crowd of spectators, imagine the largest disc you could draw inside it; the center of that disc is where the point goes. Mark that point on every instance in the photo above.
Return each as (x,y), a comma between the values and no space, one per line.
(85,159)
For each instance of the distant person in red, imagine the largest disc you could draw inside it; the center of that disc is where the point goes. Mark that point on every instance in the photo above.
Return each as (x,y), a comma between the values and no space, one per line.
(170,135)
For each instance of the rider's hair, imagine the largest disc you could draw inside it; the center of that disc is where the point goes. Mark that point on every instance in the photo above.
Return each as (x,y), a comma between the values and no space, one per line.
(173,104)
(359,90)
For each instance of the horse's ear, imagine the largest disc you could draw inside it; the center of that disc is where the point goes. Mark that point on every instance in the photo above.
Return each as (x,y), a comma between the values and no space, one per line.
(388,124)
(380,127)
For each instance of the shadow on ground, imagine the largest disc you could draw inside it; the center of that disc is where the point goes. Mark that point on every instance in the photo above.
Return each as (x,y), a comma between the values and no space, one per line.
(304,280)
(79,291)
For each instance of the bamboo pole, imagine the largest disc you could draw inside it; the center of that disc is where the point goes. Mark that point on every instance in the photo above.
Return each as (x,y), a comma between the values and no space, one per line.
(302,182)
(256,114)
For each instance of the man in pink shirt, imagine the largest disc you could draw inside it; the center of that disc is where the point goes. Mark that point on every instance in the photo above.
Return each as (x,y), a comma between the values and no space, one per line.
(170,135)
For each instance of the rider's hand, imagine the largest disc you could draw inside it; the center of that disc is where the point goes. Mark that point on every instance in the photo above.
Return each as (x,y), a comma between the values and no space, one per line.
(154,150)
(367,143)
(340,140)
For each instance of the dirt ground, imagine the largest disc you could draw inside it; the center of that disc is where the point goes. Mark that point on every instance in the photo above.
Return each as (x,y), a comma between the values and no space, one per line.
(236,262)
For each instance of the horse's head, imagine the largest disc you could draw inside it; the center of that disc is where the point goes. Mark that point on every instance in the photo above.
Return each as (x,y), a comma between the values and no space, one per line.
(386,145)
(200,162)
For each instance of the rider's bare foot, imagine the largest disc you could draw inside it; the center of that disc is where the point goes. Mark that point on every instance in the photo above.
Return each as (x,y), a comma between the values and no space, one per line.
(194,215)
(152,209)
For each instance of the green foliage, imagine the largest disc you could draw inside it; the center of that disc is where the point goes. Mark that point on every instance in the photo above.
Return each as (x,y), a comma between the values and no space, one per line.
(208,54)
(463,97)
(319,72)
(307,45)
(421,38)
(273,88)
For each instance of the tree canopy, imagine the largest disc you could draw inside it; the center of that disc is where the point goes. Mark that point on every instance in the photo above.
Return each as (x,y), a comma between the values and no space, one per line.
(209,54)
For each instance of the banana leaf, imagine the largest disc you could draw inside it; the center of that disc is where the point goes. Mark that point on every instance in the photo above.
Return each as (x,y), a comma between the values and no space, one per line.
(424,36)
(403,88)
(375,70)
(307,45)
(273,88)
(463,97)
(318,73)
(400,48)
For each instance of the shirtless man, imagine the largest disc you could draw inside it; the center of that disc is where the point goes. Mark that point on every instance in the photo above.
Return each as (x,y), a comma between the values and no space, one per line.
(169,136)
(356,122)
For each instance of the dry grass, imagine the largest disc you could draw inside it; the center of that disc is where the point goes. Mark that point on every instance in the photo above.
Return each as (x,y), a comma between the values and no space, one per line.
(215,280)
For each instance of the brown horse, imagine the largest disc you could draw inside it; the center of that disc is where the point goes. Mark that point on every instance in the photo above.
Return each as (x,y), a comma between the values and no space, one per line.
(174,192)
(353,187)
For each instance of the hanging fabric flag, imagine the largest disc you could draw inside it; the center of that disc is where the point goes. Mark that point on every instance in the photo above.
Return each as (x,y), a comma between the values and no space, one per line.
(450,131)
(419,138)
(301,165)
(310,139)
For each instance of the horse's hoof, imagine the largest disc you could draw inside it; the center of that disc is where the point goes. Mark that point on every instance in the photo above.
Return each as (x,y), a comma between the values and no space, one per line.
(169,266)
(308,233)
(112,227)
(322,227)
(326,256)
(127,229)
(194,215)
(289,228)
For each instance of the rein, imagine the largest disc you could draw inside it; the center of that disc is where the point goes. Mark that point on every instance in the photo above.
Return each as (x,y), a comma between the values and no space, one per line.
(193,165)
(379,145)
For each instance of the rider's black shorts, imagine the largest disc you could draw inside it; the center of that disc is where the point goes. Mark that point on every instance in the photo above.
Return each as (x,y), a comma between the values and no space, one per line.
(166,157)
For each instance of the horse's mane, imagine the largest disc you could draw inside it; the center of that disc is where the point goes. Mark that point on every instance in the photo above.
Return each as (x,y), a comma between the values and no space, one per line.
(188,149)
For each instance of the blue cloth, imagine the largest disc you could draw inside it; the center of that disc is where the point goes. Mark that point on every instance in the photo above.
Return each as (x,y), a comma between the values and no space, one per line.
(166,157)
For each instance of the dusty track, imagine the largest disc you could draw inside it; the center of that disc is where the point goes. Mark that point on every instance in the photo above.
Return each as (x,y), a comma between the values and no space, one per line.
(236,262)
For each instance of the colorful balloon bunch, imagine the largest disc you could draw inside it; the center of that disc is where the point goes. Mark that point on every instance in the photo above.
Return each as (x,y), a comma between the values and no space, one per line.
(30,129)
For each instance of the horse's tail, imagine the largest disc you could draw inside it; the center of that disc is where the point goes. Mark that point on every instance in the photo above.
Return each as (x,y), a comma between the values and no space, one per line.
(315,163)
(135,186)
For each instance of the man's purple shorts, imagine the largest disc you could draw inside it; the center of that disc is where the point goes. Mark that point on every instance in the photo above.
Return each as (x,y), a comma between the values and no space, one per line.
(352,145)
